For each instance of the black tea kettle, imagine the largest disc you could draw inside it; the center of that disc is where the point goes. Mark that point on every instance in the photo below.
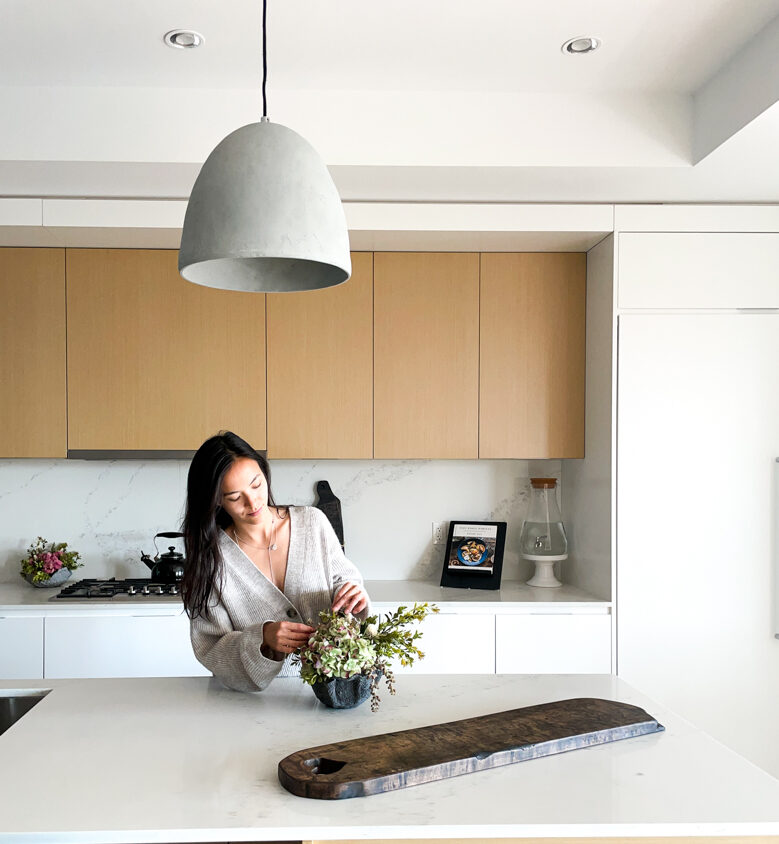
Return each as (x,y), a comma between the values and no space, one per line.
(167,567)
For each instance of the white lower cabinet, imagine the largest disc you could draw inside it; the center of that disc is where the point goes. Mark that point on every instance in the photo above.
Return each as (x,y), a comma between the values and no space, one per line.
(455,644)
(120,646)
(21,648)
(553,644)
(110,645)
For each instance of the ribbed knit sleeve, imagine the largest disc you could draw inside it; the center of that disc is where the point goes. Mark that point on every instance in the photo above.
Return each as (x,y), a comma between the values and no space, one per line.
(232,655)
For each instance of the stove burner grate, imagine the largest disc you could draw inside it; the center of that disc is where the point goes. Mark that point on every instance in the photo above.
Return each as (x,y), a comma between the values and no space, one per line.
(140,586)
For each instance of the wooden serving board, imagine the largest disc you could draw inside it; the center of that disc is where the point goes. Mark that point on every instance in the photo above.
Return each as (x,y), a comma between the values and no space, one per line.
(330,505)
(391,761)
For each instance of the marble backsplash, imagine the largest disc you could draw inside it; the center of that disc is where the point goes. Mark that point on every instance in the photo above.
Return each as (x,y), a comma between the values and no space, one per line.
(110,510)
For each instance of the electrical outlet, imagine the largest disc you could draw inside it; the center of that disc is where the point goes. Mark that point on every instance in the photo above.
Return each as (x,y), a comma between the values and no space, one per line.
(439,533)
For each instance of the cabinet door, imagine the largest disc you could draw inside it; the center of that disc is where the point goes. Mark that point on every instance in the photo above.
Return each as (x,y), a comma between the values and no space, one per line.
(698,438)
(320,369)
(156,362)
(120,646)
(455,644)
(426,345)
(699,270)
(531,381)
(553,644)
(21,648)
(33,411)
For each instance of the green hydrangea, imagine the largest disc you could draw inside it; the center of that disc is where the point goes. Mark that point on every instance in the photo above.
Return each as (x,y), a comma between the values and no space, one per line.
(336,649)
(342,646)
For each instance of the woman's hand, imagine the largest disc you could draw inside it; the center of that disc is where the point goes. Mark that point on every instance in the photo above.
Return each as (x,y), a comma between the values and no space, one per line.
(351,597)
(285,637)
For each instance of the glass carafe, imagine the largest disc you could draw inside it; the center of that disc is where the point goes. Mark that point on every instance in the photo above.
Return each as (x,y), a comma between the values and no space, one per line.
(543,540)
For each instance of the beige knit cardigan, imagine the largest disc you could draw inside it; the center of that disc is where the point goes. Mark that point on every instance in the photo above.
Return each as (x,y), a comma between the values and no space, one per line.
(228,640)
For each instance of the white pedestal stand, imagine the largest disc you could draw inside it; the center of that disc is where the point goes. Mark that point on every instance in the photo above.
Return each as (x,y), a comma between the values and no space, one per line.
(544,575)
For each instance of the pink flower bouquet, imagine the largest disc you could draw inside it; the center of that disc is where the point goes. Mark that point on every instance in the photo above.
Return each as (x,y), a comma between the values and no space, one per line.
(44,559)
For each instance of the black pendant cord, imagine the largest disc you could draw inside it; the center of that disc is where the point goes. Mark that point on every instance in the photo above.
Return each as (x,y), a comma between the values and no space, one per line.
(264,59)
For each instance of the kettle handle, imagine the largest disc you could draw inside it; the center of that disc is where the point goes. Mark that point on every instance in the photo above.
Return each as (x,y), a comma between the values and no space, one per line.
(166,534)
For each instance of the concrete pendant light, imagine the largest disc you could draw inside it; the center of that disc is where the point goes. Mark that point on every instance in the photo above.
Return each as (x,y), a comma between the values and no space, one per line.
(264,214)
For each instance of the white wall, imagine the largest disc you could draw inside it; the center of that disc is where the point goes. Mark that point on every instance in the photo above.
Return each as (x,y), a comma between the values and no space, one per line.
(110,510)
(588,483)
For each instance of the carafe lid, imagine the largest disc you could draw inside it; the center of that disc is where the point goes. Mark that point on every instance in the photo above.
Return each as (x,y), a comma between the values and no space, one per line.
(543,483)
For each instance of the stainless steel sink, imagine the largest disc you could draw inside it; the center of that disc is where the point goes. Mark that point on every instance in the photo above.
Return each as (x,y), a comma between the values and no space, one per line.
(17,703)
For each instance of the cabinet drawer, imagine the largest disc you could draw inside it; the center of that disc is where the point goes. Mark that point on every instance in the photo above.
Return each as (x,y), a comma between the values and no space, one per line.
(698,270)
(455,644)
(21,648)
(553,644)
(120,646)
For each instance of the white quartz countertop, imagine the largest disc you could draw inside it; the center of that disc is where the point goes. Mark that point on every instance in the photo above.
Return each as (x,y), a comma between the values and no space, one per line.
(174,760)
(513,596)
(22,599)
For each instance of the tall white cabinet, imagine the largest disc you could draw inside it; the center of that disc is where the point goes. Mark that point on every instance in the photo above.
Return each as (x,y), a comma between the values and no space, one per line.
(697,440)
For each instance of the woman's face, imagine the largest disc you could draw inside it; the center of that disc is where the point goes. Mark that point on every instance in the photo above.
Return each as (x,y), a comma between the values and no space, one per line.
(245,492)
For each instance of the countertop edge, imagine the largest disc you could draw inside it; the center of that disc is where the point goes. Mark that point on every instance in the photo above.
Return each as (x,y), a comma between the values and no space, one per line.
(17,600)
(368,832)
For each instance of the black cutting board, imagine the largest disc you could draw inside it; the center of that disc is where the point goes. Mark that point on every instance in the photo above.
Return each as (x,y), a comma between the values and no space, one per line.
(331,507)
(390,761)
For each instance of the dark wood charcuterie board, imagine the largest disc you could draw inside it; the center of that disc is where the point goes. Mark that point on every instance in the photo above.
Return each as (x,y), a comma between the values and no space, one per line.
(390,761)
(331,507)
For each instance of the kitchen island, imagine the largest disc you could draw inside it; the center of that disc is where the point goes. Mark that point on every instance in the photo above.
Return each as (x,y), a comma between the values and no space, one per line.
(184,759)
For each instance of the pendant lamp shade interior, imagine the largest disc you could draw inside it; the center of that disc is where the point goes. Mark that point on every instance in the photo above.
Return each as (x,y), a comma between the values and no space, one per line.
(264,215)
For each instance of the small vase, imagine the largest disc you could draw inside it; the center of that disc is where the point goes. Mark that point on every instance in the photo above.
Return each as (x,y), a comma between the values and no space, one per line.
(59,576)
(344,692)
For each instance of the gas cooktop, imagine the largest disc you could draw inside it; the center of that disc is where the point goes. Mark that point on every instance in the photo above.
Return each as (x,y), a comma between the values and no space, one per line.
(139,588)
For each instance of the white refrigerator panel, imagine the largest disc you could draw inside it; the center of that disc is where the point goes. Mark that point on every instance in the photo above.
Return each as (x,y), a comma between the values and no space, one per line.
(776,548)
(698,435)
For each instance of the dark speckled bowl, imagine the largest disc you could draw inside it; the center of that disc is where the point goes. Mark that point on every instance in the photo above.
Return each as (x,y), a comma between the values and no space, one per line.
(342,692)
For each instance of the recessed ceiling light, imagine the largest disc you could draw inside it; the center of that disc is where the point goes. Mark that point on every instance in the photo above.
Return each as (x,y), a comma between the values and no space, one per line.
(580,45)
(183,39)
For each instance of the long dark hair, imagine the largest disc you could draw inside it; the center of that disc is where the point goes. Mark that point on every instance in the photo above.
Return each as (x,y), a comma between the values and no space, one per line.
(204,515)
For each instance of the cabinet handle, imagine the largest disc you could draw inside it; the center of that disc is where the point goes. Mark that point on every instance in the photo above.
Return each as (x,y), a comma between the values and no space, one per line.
(758,310)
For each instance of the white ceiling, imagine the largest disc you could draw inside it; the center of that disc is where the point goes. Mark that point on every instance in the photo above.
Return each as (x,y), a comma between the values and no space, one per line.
(415,99)
(429,45)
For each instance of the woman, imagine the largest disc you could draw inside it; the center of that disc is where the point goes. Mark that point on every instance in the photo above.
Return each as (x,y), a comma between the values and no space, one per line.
(257,575)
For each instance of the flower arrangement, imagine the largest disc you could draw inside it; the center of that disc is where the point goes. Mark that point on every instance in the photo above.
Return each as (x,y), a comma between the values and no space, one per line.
(44,559)
(343,646)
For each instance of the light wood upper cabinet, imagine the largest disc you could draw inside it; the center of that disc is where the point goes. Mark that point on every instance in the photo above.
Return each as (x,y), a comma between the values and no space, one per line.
(426,346)
(419,355)
(320,369)
(532,355)
(33,410)
(156,362)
